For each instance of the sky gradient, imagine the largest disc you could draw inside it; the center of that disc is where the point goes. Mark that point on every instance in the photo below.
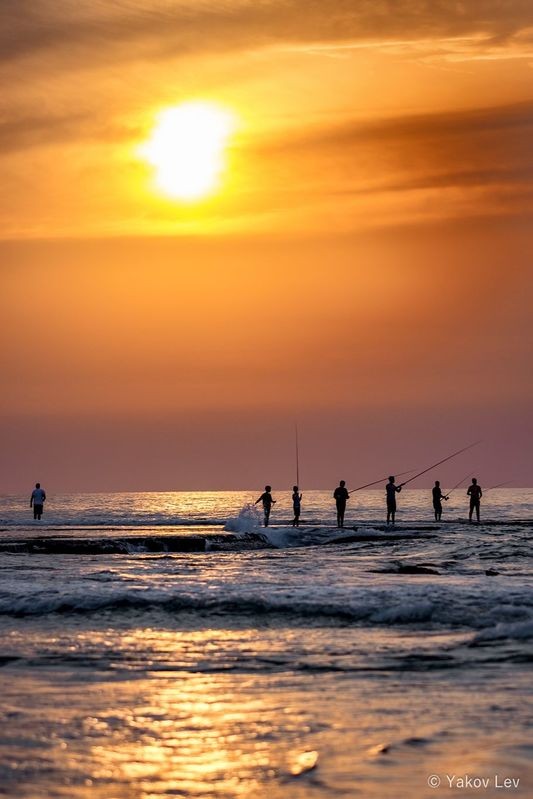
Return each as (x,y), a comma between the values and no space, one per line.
(364,269)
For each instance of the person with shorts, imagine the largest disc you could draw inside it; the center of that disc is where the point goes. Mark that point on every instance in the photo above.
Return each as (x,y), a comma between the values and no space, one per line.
(391,490)
(37,500)
(296,506)
(475,493)
(438,496)
(266,499)
(341,495)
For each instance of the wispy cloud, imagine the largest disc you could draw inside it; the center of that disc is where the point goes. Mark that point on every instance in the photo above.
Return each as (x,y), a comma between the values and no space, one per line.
(77,30)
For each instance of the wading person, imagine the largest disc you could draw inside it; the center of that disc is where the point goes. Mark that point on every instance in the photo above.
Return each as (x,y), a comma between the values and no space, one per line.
(341,495)
(391,490)
(438,496)
(266,499)
(475,493)
(37,500)
(296,506)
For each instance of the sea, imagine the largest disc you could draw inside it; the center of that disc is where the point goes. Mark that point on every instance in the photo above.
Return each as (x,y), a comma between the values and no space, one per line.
(167,645)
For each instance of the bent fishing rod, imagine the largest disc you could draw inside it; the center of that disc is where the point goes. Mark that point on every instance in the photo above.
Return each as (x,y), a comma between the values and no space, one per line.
(434,465)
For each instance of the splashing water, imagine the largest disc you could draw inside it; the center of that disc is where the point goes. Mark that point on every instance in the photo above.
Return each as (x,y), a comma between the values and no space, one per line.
(248,520)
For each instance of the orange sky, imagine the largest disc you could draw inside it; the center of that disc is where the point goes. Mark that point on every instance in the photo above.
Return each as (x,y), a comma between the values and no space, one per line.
(365,266)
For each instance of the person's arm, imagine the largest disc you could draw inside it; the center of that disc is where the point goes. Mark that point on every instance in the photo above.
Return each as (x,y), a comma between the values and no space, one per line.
(258,500)
(301,495)
(31,499)
(44,496)
(469,492)
(398,488)
(480,492)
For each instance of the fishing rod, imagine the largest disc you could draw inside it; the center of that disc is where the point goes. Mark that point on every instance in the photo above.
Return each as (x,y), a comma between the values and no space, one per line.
(434,465)
(456,486)
(297,455)
(375,482)
(499,485)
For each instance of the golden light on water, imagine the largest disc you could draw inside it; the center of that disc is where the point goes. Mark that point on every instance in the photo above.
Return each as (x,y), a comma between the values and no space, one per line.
(187,149)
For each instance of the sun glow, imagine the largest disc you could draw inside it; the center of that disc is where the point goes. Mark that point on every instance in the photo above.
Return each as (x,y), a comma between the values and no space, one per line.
(187,149)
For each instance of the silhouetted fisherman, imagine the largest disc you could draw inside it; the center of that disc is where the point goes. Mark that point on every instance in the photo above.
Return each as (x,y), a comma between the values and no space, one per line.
(475,493)
(438,496)
(37,499)
(392,490)
(296,506)
(266,499)
(341,495)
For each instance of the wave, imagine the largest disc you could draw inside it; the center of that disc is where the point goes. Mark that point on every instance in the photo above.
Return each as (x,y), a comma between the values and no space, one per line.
(497,614)
(520,630)
(247,520)
(89,602)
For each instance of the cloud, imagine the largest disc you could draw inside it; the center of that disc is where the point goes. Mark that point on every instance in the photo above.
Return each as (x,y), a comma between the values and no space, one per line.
(88,29)
(21,133)
(488,147)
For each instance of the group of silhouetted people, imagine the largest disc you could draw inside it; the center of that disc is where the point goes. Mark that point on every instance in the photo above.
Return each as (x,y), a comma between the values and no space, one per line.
(267,502)
(341,495)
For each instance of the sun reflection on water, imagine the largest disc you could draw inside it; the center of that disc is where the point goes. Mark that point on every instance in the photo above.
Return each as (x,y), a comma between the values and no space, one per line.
(199,738)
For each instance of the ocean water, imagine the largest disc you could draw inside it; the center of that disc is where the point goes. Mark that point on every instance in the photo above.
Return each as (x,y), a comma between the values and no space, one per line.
(165,645)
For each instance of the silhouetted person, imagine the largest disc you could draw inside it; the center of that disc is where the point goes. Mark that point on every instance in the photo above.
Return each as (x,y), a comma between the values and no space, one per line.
(475,493)
(392,490)
(438,496)
(37,499)
(296,506)
(341,495)
(266,499)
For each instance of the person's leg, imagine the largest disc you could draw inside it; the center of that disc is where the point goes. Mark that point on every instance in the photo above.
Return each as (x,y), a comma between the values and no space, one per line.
(267,516)
(297,519)
(477,511)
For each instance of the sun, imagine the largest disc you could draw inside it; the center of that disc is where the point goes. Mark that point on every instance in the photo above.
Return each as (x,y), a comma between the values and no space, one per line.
(187,149)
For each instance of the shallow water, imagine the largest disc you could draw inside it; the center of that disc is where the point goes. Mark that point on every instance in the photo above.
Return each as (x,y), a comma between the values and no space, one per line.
(309,663)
